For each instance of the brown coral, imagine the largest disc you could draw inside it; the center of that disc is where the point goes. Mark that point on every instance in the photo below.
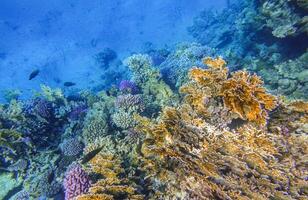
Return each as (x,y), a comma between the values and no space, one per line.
(192,158)
(244,95)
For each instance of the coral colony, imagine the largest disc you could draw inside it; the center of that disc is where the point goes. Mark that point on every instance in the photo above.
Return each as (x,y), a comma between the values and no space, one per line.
(201,124)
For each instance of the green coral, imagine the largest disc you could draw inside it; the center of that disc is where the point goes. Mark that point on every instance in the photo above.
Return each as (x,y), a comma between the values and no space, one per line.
(149,79)
(52,94)
(124,119)
(7,183)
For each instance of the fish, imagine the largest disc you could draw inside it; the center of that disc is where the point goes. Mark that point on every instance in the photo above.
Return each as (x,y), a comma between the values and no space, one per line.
(34,74)
(69,84)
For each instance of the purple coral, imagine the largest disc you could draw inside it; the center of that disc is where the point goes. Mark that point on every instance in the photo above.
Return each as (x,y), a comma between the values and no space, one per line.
(78,112)
(76,182)
(40,107)
(71,147)
(127,86)
(129,102)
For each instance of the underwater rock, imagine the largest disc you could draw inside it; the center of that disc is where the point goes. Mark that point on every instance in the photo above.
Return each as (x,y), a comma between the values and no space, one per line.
(104,57)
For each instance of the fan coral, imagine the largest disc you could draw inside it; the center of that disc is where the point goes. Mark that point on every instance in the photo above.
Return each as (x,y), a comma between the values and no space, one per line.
(76,182)
(71,147)
(111,185)
(127,86)
(186,156)
(242,93)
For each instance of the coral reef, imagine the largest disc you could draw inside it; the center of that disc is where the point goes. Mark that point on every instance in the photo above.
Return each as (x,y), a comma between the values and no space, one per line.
(76,182)
(187,156)
(127,86)
(149,79)
(241,93)
(174,67)
(266,37)
(111,185)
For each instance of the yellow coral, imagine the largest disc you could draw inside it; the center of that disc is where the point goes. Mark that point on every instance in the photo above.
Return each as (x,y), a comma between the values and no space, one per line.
(214,62)
(187,154)
(111,185)
(244,95)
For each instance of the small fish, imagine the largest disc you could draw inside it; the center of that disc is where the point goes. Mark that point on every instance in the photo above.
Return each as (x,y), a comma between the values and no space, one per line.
(34,74)
(69,84)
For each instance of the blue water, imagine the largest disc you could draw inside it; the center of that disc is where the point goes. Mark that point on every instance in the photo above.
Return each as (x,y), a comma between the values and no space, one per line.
(61,37)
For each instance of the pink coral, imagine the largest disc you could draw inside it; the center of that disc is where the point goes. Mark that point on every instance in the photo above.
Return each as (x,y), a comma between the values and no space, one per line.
(76,182)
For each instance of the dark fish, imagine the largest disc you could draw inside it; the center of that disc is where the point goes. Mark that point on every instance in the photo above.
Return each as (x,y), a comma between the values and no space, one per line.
(34,74)
(69,84)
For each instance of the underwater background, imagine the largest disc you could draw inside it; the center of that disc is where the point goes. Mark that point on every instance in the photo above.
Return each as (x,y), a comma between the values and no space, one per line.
(136,99)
